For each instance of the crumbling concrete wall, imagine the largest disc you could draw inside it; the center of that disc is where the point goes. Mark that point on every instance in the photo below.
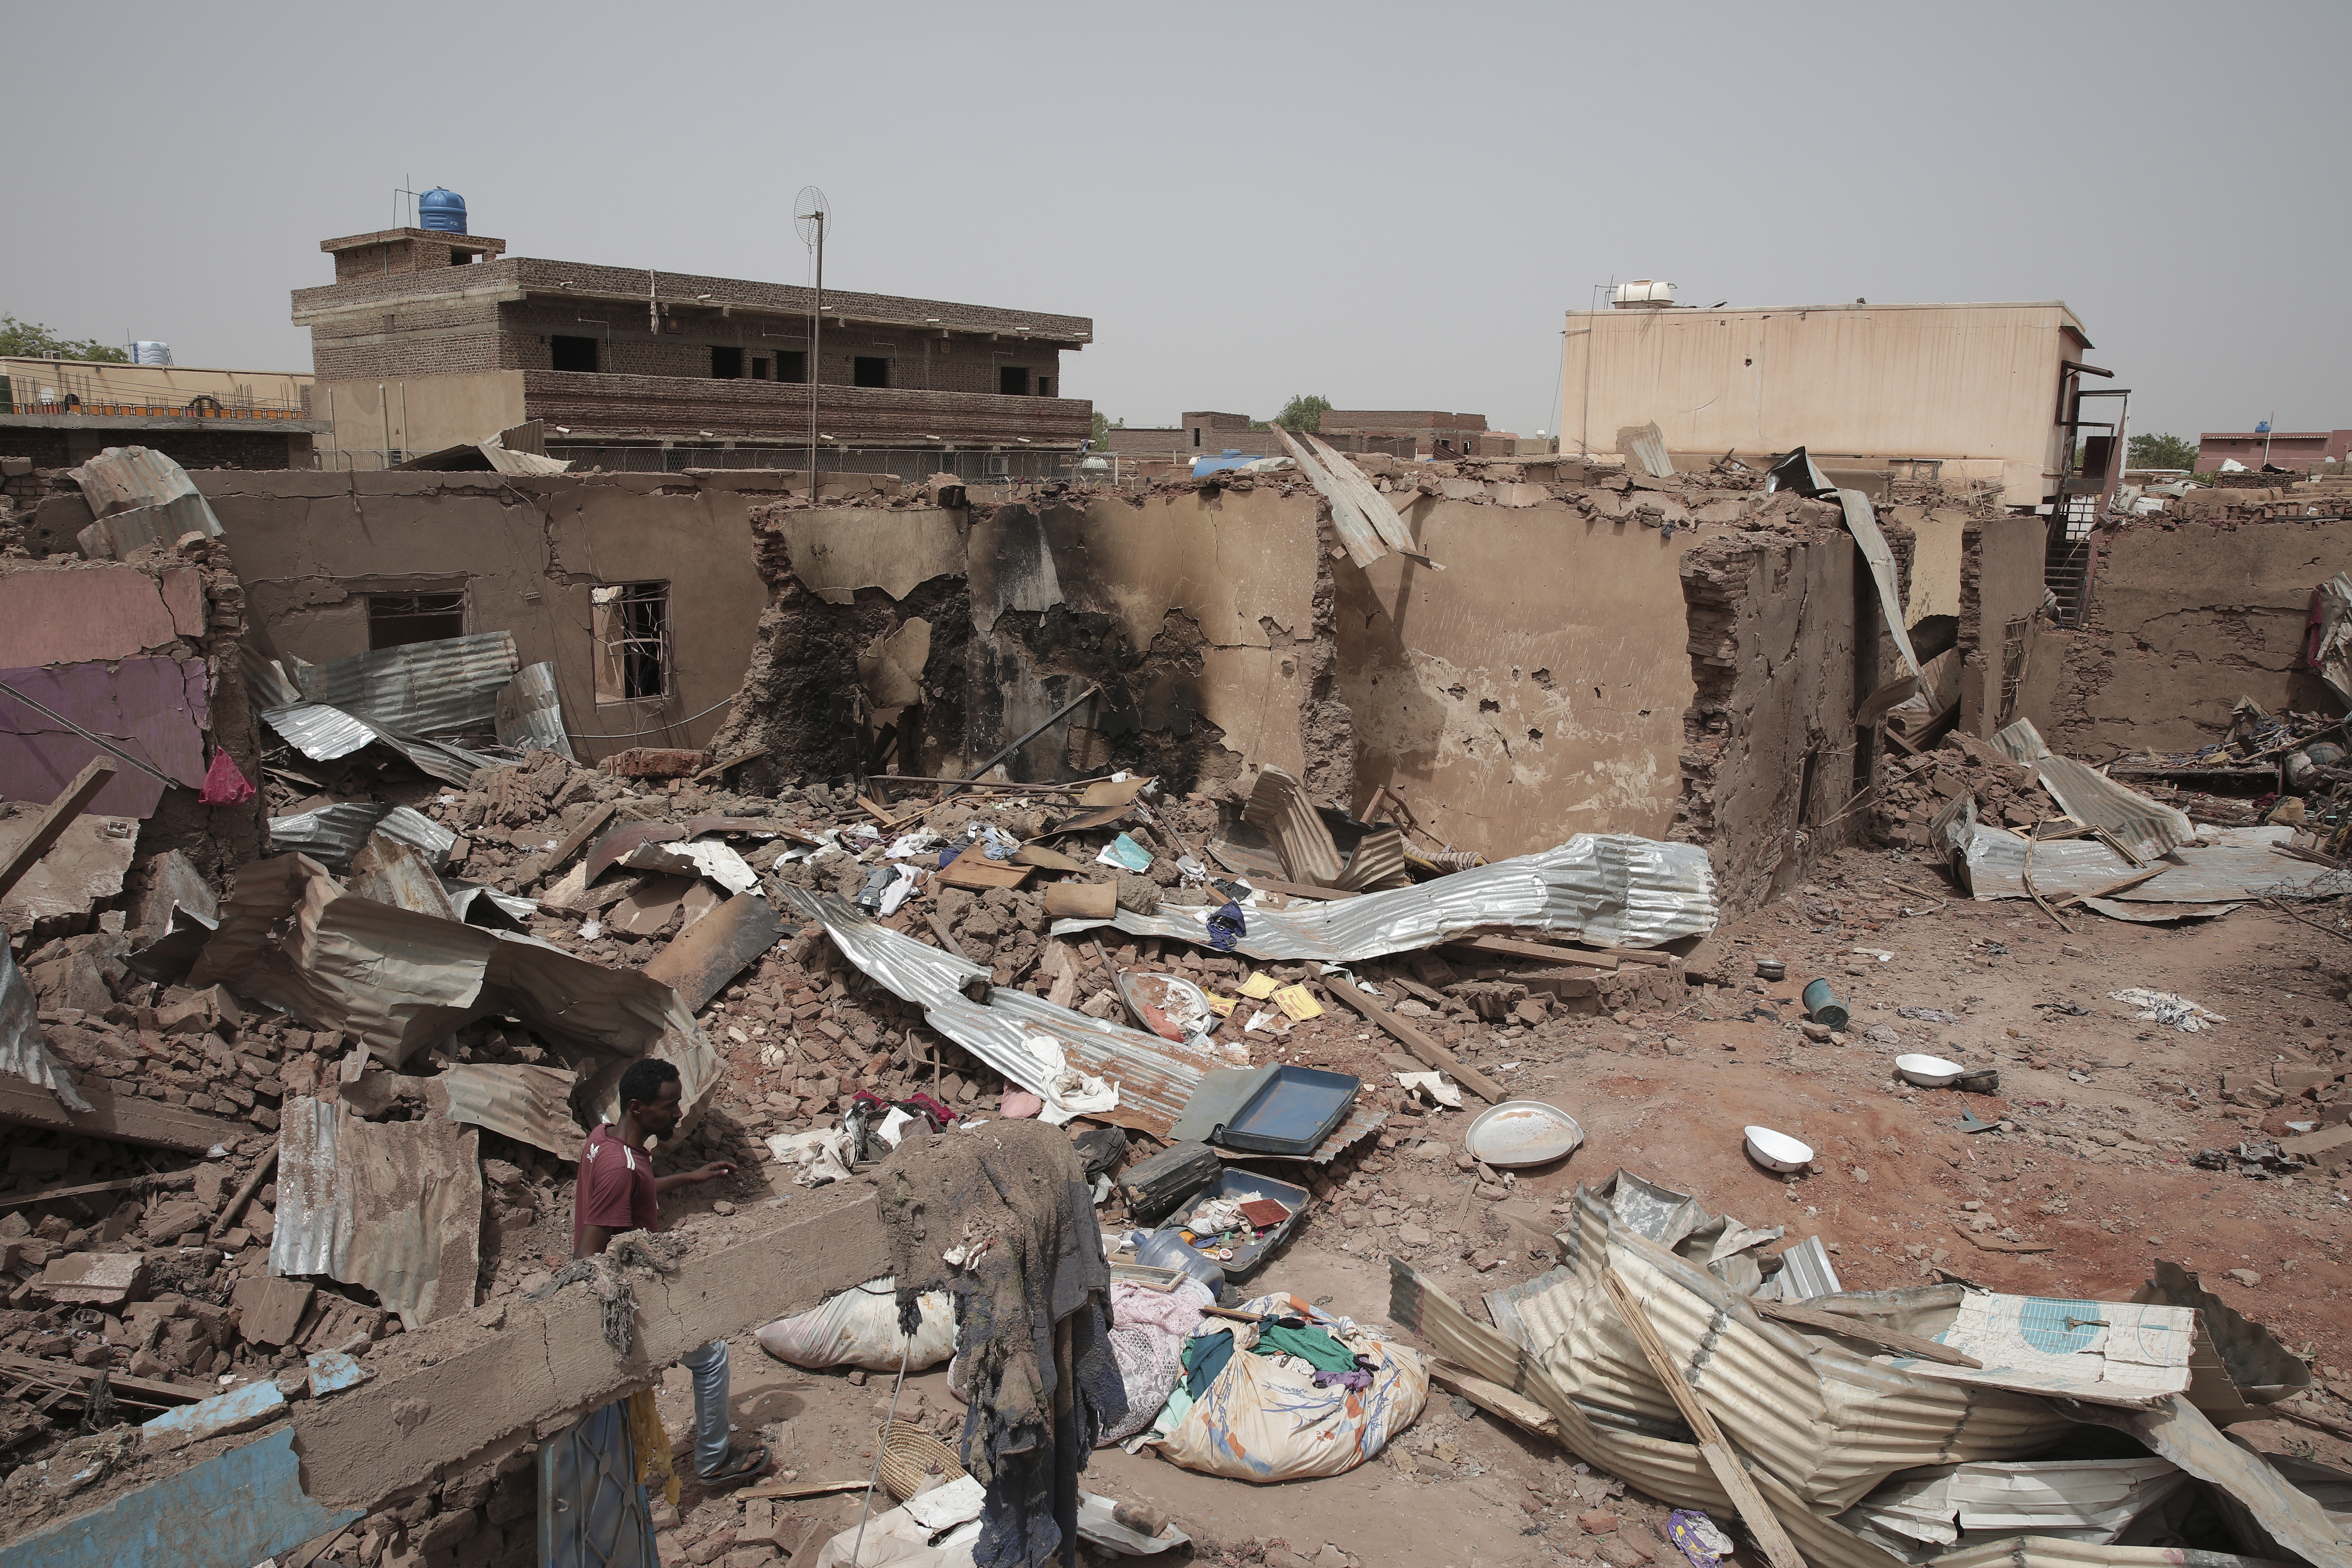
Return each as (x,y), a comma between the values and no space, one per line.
(1933,587)
(310,548)
(2187,618)
(1533,689)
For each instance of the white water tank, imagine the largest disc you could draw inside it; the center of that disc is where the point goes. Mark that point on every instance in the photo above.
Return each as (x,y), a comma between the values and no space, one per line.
(1644,294)
(146,351)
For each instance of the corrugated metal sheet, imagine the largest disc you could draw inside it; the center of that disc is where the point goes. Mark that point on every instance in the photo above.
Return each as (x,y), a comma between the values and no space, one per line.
(1611,889)
(331,834)
(322,733)
(394,1205)
(123,478)
(529,712)
(2143,827)
(1155,1076)
(1646,443)
(22,1051)
(2202,874)
(1805,1272)
(419,689)
(147,528)
(530,1103)
(1357,535)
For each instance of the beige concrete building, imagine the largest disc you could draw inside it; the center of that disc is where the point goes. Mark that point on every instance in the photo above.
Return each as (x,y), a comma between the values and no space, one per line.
(1984,391)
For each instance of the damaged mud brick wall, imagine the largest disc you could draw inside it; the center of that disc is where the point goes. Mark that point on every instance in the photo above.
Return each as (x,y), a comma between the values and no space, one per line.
(2006,672)
(522,553)
(2187,616)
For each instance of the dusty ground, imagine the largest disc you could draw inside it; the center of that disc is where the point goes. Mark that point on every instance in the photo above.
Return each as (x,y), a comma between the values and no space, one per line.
(2104,1109)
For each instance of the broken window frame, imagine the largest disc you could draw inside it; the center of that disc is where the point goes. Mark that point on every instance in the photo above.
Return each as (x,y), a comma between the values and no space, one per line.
(630,622)
(396,620)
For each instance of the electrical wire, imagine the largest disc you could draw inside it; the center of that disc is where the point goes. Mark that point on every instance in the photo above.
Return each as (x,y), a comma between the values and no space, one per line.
(93,740)
(664,724)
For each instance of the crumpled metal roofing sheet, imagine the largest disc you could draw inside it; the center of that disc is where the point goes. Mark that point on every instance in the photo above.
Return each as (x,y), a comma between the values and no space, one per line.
(1155,1076)
(2145,827)
(2201,874)
(22,1051)
(121,478)
(160,526)
(1806,1272)
(529,1103)
(418,689)
(331,834)
(1611,889)
(322,733)
(394,1205)
(531,712)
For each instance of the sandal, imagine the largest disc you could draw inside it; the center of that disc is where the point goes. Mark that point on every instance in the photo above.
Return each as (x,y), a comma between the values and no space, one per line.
(742,1465)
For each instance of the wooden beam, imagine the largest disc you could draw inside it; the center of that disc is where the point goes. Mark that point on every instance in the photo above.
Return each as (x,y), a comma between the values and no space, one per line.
(55,821)
(576,837)
(149,1390)
(1762,1522)
(1862,1329)
(1421,1044)
(1295,889)
(1496,1400)
(87,1190)
(1511,947)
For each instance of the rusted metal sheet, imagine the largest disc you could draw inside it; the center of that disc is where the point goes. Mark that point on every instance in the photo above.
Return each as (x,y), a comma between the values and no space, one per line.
(154,709)
(530,1103)
(85,866)
(1610,889)
(392,872)
(2145,827)
(1155,1077)
(418,689)
(705,955)
(393,1205)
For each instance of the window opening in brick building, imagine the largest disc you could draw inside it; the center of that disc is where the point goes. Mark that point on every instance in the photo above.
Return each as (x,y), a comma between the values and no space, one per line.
(575,353)
(792,365)
(726,363)
(759,367)
(631,622)
(395,620)
(1013,379)
(1045,387)
(869,371)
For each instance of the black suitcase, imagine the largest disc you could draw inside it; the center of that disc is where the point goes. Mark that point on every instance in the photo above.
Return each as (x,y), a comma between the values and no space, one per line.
(1154,1187)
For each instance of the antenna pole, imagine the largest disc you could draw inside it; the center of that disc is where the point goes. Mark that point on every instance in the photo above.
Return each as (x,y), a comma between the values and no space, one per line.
(816,343)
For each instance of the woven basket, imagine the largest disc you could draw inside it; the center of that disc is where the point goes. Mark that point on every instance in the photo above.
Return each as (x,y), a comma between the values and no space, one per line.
(910,1454)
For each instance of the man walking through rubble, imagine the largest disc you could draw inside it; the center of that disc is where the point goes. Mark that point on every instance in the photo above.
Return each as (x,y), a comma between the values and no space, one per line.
(617,1191)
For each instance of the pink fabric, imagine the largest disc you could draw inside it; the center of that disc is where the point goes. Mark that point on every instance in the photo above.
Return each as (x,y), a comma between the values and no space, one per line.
(224,784)
(1148,1330)
(1020,1102)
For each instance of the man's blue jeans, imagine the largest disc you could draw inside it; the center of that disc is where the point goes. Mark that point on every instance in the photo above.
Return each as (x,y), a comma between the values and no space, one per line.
(708,1366)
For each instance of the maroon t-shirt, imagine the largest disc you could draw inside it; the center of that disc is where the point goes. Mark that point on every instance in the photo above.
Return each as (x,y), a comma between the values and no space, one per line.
(615,1189)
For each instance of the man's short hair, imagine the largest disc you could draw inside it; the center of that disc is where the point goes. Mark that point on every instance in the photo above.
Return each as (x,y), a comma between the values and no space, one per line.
(641,1081)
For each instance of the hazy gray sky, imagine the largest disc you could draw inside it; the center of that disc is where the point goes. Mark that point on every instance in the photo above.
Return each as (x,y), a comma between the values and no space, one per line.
(1389,204)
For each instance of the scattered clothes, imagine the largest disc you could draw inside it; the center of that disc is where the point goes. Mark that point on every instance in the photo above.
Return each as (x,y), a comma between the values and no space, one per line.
(1354,1377)
(1032,1293)
(656,1471)
(1227,927)
(1698,1538)
(1309,1344)
(2164,1007)
(1147,1339)
(823,1154)
(1204,1358)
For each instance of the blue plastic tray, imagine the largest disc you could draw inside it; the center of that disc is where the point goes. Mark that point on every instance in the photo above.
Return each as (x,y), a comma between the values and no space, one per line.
(1296,1110)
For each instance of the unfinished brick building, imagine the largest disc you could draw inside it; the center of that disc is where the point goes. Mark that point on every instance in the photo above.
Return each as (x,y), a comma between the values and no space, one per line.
(428,339)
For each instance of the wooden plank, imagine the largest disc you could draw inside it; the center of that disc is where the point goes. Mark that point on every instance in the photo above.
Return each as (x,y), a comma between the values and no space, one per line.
(2111,889)
(1510,947)
(720,766)
(947,938)
(87,1189)
(1496,1400)
(801,1488)
(1762,1522)
(1862,1329)
(1297,889)
(974,869)
(1421,1044)
(55,821)
(578,837)
(124,1117)
(48,1372)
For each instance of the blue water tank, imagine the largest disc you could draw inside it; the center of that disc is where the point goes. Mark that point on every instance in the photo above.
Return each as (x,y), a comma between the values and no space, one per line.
(441,211)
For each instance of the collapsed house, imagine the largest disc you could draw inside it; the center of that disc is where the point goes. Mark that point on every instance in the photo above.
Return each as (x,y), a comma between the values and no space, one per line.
(984,808)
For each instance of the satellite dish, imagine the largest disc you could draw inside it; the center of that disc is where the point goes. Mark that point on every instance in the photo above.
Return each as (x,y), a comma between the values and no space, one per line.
(811,214)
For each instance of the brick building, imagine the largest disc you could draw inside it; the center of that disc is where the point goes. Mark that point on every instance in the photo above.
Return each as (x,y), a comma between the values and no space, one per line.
(2279,448)
(1435,433)
(428,340)
(58,412)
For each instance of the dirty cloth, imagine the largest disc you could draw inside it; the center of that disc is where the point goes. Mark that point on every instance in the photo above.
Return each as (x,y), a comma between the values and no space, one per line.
(1204,1358)
(1148,1329)
(823,1154)
(1309,1344)
(654,1471)
(2164,1007)
(999,1217)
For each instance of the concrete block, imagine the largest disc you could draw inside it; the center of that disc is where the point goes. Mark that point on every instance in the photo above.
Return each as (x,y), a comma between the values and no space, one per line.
(95,1279)
(2295,1079)
(2329,1149)
(174,1220)
(270,1310)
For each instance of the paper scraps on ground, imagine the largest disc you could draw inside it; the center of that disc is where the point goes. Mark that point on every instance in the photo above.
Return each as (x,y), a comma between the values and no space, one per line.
(2164,1007)
(1258,986)
(697,858)
(1125,854)
(1297,1003)
(1434,1086)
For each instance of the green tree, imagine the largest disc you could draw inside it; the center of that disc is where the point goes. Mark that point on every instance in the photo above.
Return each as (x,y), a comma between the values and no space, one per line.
(31,339)
(2150,452)
(1104,425)
(1304,412)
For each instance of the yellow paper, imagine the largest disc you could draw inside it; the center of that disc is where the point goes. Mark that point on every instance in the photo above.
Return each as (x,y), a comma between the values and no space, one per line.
(1258,986)
(1297,1001)
(1223,1004)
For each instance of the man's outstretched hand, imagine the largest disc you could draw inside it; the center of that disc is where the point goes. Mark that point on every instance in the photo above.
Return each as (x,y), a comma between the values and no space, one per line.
(711,1173)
